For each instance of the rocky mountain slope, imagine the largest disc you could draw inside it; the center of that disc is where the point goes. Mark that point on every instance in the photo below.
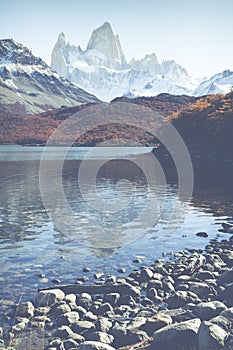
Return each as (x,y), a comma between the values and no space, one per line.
(28,85)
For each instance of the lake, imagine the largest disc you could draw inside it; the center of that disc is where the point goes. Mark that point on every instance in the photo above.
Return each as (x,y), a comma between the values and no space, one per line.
(34,248)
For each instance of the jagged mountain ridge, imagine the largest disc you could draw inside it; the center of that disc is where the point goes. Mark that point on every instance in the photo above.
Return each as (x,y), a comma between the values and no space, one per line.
(217,84)
(102,68)
(29,85)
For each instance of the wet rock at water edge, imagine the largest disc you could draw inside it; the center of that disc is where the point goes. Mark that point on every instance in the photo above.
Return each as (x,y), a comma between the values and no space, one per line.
(25,310)
(137,261)
(202,234)
(20,325)
(49,297)
(86,269)
(121,270)
(56,281)
(82,279)
(146,274)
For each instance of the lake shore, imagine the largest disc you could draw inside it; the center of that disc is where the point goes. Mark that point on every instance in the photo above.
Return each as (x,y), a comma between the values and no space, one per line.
(184,303)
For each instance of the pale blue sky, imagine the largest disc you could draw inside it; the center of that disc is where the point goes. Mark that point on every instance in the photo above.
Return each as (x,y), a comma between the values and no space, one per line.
(196,34)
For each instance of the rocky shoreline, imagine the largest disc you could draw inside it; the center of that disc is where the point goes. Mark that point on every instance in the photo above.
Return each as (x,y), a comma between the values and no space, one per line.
(182,304)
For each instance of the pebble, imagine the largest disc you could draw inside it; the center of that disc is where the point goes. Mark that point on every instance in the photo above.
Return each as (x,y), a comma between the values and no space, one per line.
(202,234)
(86,269)
(55,281)
(82,279)
(121,270)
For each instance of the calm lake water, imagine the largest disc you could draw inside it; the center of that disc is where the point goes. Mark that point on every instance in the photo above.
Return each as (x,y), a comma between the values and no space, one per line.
(32,246)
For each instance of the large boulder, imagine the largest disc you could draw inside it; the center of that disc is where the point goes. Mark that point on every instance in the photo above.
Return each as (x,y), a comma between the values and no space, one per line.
(81,327)
(63,332)
(49,297)
(68,319)
(228,313)
(156,322)
(226,277)
(59,310)
(177,336)
(103,324)
(202,289)
(85,300)
(25,310)
(207,310)
(181,298)
(226,295)
(211,336)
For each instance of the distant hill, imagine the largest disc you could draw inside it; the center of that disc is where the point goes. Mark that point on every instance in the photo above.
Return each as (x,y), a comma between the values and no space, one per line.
(36,129)
(165,104)
(207,126)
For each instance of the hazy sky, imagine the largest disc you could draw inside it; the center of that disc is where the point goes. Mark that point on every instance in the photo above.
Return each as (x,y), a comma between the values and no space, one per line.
(197,34)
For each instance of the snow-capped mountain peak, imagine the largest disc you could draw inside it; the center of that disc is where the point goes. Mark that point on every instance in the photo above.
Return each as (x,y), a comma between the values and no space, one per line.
(61,41)
(104,41)
(102,69)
